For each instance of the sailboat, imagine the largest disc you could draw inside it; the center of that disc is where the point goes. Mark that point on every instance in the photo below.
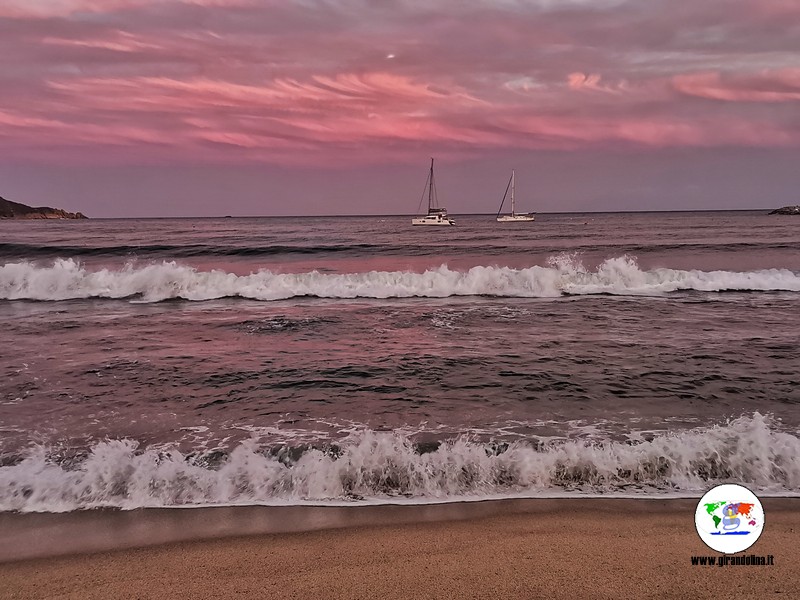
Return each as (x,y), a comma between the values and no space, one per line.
(514,217)
(436,215)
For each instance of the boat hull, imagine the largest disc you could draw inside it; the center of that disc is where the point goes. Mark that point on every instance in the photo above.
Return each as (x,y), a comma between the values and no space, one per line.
(515,218)
(441,222)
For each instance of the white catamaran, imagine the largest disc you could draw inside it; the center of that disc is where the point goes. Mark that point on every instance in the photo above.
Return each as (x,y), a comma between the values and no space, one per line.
(436,215)
(514,217)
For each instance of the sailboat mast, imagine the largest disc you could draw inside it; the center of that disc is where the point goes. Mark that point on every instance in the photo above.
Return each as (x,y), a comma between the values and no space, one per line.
(430,187)
(512,193)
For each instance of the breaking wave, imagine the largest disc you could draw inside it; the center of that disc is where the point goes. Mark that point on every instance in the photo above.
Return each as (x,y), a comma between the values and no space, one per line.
(375,467)
(68,279)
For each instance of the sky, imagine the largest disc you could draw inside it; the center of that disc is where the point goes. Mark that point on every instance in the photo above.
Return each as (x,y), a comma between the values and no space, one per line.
(131,108)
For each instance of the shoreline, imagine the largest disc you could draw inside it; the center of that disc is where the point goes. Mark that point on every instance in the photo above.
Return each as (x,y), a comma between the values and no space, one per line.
(36,535)
(554,548)
(40,534)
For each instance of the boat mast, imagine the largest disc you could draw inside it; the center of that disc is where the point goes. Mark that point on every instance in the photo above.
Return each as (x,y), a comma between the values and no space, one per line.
(430,187)
(512,192)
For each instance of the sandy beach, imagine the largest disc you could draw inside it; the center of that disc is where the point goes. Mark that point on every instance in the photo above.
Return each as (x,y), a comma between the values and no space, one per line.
(593,548)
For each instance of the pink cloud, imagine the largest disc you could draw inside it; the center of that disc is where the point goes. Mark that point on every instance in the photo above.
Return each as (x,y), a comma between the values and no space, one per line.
(281,121)
(657,132)
(319,94)
(279,81)
(767,86)
(351,116)
(120,41)
(62,8)
(580,81)
(775,8)
(70,133)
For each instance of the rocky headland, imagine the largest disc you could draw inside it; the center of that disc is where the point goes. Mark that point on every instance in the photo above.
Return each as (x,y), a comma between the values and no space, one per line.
(786,210)
(15,210)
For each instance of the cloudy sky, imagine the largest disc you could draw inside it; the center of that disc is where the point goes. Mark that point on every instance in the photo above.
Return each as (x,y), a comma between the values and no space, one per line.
(274,107)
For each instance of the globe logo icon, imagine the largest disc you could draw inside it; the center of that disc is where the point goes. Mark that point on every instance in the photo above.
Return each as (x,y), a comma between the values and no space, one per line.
(729,518)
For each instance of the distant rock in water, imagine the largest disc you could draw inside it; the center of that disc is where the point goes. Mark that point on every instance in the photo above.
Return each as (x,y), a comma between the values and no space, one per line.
(15,210)
(786,210)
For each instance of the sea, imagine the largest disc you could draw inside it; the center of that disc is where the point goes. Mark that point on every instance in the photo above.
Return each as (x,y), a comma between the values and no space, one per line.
(360,360)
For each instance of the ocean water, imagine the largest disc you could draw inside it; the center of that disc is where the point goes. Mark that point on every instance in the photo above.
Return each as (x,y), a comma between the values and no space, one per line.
(194,362)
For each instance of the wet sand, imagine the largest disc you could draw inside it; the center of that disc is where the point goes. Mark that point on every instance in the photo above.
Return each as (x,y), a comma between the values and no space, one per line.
(592,548)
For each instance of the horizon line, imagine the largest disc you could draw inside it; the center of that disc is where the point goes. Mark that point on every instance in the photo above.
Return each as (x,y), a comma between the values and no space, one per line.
(405,215)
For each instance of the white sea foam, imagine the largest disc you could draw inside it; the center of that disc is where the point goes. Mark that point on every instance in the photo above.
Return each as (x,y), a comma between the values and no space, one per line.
(67,279)
(384,467)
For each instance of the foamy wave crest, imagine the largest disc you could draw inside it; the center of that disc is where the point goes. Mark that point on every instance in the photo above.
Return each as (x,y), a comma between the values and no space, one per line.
(67,279)
(381,467)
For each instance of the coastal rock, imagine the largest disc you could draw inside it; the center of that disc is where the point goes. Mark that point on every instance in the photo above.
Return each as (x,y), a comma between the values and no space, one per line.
(786,210)
(15,210)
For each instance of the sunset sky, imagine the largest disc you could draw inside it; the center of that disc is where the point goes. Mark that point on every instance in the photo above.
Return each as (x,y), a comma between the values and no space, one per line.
(275,107)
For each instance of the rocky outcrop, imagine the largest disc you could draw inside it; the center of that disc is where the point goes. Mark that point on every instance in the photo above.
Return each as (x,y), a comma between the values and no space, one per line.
(15,210)
(786,210)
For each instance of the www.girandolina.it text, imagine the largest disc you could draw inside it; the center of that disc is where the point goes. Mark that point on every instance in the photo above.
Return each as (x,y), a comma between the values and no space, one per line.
(725,561)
